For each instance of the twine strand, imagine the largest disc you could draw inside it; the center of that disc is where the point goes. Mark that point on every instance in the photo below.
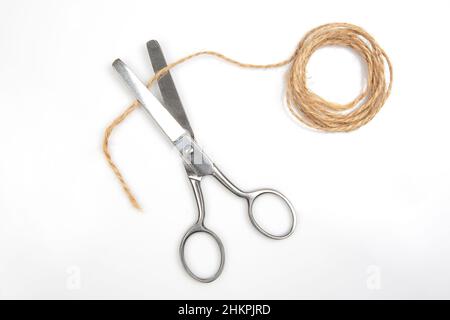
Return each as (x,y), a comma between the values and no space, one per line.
(305,105)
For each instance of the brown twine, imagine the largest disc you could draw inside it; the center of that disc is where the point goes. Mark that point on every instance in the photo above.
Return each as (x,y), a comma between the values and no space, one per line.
(305,105)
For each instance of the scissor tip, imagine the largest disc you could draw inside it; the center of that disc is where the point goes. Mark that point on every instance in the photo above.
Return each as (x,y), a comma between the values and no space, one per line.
(152,44)
(117,62)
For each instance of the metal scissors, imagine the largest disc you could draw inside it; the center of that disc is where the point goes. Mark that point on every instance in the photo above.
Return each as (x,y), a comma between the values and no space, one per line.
(172,120)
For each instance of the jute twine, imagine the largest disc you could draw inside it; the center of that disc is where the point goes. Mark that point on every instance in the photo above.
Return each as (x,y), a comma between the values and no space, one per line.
(305,105)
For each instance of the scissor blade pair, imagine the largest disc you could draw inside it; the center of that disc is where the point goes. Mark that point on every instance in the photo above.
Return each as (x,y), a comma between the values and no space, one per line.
(167,87)
(168,124)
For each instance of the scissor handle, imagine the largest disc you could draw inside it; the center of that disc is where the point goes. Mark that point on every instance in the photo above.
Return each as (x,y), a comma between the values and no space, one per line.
(251,197)
(196,228)
(254,195)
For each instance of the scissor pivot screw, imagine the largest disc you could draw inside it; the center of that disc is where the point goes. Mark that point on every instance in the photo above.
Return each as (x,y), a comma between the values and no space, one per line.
(188,150)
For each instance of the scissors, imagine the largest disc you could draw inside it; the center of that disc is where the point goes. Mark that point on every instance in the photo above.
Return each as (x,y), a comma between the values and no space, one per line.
(172,120)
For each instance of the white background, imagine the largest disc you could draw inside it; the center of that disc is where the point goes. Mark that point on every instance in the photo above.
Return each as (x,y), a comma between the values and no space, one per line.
(373,204)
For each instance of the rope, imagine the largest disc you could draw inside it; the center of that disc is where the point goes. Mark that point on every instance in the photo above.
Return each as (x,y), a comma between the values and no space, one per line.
(305,105)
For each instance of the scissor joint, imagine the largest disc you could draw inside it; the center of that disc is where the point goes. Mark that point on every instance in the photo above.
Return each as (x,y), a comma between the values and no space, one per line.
(194,157)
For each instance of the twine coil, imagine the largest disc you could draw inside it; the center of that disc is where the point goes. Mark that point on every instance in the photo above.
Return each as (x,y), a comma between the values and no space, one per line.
(306,106)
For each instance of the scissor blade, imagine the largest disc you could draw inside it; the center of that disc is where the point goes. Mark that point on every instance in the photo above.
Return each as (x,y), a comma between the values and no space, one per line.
(167,87)
(158,112)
